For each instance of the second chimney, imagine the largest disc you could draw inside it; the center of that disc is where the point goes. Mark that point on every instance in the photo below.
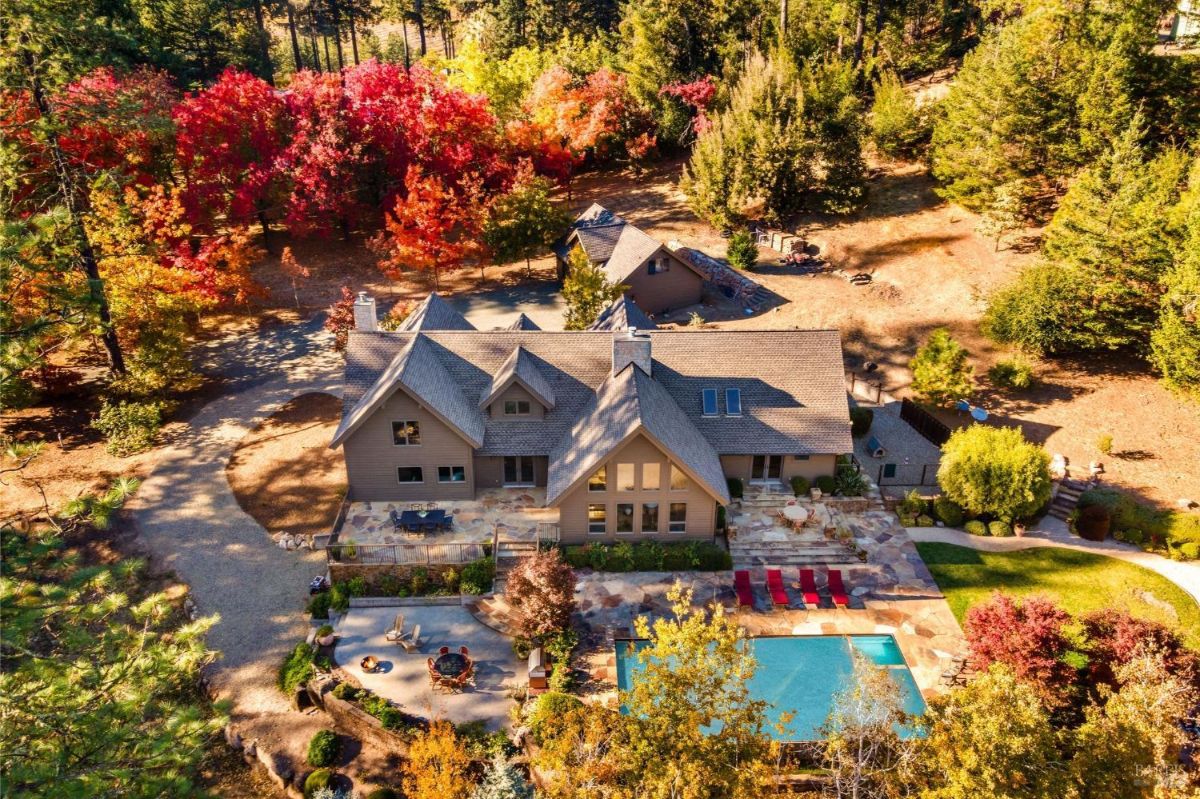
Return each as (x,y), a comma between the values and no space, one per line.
(364,312)
(630,346)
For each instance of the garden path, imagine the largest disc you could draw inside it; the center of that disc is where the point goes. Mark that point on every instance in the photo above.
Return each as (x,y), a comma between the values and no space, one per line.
(1053,533)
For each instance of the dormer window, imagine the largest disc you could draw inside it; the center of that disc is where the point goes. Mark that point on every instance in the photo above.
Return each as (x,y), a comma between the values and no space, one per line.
(708,402)
(658,265)
(733,402)
(516,407)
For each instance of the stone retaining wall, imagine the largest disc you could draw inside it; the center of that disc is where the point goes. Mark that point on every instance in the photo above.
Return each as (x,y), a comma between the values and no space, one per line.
(410,601)
(350,718)
(340,572)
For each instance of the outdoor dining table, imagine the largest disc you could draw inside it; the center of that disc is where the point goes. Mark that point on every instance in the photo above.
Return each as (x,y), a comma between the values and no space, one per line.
(795,514)
(451,664)
(422,519)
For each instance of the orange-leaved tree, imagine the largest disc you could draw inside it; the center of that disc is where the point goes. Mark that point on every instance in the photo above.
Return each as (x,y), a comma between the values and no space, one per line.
(434,227)
(438,765)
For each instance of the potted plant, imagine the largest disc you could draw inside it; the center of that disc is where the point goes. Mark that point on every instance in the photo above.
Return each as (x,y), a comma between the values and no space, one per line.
(325,636)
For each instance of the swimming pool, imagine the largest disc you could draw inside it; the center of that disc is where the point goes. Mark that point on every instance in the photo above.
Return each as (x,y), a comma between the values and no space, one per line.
(801,675)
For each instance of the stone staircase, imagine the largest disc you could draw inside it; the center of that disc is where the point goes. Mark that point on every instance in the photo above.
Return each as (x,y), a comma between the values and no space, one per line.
(770,495)
(1067,497)
(759,298)
(790,553)
(506,554)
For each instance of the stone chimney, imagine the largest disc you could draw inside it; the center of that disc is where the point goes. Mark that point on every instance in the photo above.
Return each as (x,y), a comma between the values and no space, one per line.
(630,346)
(364,312)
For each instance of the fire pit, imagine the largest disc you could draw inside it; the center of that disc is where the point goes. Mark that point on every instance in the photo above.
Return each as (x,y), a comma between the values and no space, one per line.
(369,664)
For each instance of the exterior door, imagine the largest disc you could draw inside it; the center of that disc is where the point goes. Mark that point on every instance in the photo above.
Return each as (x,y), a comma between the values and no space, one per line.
(518,470)
(766,468)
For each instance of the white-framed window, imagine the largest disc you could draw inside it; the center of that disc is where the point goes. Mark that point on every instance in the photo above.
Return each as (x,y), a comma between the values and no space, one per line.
(659,265)
(406,433)
(516,407)
(708,402)
(452,474)
(597,519)
(599,480)
(649,517)
(626,477)
(678,479)
(410,474)
(677,521)
(651,476)
(733,402)
(624,517)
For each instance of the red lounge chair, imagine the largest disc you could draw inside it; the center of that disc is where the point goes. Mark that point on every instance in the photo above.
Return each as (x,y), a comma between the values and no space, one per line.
(837,589)
(808,586)
(741,584)
(779,596)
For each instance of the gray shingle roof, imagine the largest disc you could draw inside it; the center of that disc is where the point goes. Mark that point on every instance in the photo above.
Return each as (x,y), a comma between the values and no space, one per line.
(523,322)
(623,314)
(791,382)
(625,404)
(610,240)
(435,314)
(419,369)
(522,368)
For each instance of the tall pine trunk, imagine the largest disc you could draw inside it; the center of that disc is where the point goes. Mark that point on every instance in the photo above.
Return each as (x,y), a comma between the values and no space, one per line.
(67,188)
(296,57)
(860,31)
(783,18)
(419,18)
(264,42)
(353,35)
(407,58)
(336,12)
(328,63)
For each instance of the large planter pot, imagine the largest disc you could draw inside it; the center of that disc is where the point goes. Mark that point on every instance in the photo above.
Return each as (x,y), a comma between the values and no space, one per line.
(327,640)
(1018,530)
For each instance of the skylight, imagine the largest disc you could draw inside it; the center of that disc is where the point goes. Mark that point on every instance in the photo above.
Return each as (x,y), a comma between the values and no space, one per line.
(708,399)
(733,402)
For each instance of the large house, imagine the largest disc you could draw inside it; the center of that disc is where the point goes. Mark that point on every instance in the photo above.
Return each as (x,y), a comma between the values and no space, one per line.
(658,280)
(630,432)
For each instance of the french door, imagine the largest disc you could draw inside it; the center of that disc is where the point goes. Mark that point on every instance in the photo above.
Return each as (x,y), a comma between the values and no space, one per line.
(518,470)
(766,468)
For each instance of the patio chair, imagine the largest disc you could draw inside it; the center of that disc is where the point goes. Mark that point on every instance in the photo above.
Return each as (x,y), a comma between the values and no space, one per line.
(837,589)
(395,517)
(808,586)
(464,651)
(431,506)
(412,643)
(741,585)
(444,650)
(396,632)
(448,523)
(416,506)
(779,597)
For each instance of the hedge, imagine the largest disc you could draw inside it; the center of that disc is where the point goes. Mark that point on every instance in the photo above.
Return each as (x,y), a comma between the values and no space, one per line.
(626,556)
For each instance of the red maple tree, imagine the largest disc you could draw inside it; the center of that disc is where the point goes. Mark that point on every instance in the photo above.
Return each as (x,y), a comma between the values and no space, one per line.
(1027,636)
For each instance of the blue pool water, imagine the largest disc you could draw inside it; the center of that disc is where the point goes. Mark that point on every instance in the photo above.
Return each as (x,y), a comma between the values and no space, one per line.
(801,675)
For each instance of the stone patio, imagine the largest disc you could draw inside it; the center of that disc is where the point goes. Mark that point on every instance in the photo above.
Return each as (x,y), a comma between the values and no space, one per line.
(403,678)
(517,511)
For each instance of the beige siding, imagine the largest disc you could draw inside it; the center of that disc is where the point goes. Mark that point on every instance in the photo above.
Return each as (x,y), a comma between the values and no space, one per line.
(739,466)
(701,507)
(372,458)
(678,287)
(489,471)
(516,392)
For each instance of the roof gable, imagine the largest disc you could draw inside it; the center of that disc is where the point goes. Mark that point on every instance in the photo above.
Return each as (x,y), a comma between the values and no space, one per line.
(623,314)
(523,322)
(626,404)
(419,371)
(435,314)
(520,368)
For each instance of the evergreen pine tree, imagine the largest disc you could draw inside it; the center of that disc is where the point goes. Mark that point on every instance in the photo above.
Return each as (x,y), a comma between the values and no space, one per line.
(1175,342)
(502,781)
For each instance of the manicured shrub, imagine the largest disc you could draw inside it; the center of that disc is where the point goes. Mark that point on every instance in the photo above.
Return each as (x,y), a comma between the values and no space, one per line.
(620,557)
(128,427)
(736,489)
(800,486)
(1189,550)
(913,504)
(908,521)
(999,529)
(941,373)
(924,521)
(713,558)
(477,576)
(647,556)
(597,556)
(1135,537)
(827,484)
(296,669)
(451,580)
(1182,527)
(675,559)
(975,527)
(577,556)
(850,482)
(1011,373)
(339,598)
(1093,523)
(418,581)
(323,748)
(948,512)
(317,780)
(860,420)
(995,471)
(548,706)
(318,605)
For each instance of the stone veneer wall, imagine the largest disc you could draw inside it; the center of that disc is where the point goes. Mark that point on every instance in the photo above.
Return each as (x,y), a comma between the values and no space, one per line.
(340,572)
(350,718)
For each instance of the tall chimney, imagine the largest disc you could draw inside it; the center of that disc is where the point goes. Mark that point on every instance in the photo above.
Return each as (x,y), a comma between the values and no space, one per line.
(364,312)
(630,346)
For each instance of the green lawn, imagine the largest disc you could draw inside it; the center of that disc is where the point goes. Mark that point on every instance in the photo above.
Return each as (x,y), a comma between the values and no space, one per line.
(1078,581)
